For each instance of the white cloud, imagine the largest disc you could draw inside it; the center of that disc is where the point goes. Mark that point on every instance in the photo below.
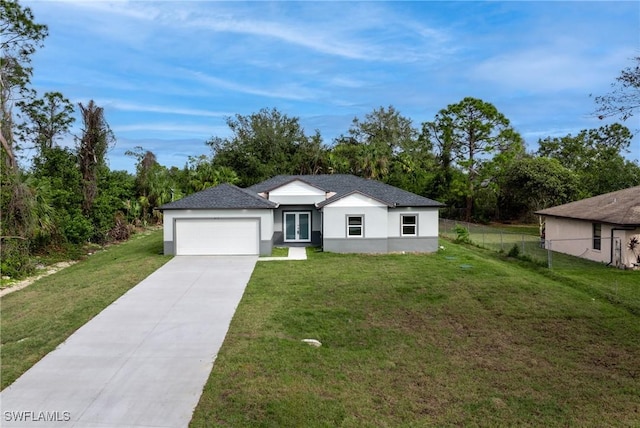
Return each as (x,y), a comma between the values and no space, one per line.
(546,69)
(172,129)
(164,109)
(289,91)
(346,82)
(346,30)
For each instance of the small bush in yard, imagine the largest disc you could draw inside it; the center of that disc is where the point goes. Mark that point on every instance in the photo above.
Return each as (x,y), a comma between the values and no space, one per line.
(14,258)
(462,234)
(514,251)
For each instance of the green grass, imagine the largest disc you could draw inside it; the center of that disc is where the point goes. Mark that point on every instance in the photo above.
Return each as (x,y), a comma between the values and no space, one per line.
(527,229)
(279,252)
(464,337)
(502,238)
(38,318)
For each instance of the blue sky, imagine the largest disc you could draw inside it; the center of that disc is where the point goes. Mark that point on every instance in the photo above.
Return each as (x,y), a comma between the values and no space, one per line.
(169,73)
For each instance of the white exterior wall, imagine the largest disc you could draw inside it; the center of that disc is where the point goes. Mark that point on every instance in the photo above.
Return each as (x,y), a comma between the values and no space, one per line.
(374,212)
(629,258)
(266,219)
(427,221)
(297,193)
(575,237)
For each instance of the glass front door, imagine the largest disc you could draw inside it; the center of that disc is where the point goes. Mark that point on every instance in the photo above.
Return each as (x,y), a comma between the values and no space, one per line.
(297,227)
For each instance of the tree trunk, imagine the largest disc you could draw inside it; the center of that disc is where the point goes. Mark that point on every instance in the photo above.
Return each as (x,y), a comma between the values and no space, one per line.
(10,159)
(469,209)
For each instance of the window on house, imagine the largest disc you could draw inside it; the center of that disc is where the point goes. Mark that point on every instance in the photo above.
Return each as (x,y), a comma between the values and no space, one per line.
(597,236)
(355,226)
(409,225)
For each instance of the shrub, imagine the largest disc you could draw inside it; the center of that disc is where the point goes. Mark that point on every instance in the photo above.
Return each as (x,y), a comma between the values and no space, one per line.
(462,234)
(121,231)
(514,251)
(77,228)
(14,258)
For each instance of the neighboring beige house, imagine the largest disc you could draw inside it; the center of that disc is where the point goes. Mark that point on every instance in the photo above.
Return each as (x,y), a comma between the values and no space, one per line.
(598,228)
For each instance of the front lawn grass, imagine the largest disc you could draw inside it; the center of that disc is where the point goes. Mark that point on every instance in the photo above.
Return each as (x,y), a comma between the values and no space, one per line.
(526,229)
(38,318)
(464,337)
(279,252)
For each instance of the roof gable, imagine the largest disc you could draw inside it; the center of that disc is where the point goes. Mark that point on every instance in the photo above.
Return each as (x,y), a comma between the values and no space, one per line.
(282,182)
(297,187)
(223,196)
(353,199)
(621,207)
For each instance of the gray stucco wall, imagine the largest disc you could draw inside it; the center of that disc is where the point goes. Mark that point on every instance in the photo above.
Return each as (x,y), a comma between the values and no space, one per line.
(353,245)
(316,239)
(381,245)
(265,248)
(413,245)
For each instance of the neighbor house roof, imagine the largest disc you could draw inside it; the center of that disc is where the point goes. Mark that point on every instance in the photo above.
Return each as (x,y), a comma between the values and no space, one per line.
(345,184)
(621,208)
(224,196)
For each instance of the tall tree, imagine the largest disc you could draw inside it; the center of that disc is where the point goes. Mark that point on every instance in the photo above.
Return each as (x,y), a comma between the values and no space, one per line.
(147,163)
(47,119)
(58,171)
(384,127)
(200,173)
(96,139)
(263,144)
(372,145)
(311,156)
(349,156)
(533,183)
(624,98)
(596,156)
(154,183)
(469,134)
(439,135)
(21,36)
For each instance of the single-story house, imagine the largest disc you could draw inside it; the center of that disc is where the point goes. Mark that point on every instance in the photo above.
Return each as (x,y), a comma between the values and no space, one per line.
(598,228)
(341,213)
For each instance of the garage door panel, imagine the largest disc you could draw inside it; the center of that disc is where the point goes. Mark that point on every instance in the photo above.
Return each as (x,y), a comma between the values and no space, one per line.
(217,236)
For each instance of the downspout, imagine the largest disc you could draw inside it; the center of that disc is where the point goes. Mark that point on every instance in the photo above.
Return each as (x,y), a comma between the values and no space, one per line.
(321,224)
(613,229)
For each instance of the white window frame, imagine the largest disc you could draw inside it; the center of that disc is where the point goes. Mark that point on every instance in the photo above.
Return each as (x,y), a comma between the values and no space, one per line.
(402,224)
(597,236)
(349,226)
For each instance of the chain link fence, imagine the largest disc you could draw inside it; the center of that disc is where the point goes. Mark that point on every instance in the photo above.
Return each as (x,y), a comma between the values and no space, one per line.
(555,254)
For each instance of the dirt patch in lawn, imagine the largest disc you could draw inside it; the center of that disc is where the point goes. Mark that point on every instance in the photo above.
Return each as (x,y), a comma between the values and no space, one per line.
(49,270)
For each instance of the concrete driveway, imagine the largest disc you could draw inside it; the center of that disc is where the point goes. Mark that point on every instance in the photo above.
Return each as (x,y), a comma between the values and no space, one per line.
(143,361)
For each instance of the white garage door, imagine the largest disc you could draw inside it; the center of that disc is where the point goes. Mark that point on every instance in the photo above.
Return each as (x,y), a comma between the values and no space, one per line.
(221,236)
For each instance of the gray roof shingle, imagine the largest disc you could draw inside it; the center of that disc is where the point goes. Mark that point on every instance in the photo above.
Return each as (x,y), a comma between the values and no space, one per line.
(224,196)
(228,196)
(345,184)
(621,208)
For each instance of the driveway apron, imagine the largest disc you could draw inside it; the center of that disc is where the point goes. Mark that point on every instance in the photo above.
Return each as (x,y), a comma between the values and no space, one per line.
(141,362)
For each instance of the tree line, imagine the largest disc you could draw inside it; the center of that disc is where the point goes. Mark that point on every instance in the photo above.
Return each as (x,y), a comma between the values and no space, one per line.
(468,157)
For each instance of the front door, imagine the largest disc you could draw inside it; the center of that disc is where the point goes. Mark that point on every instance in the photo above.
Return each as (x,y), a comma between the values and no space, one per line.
(297,226)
